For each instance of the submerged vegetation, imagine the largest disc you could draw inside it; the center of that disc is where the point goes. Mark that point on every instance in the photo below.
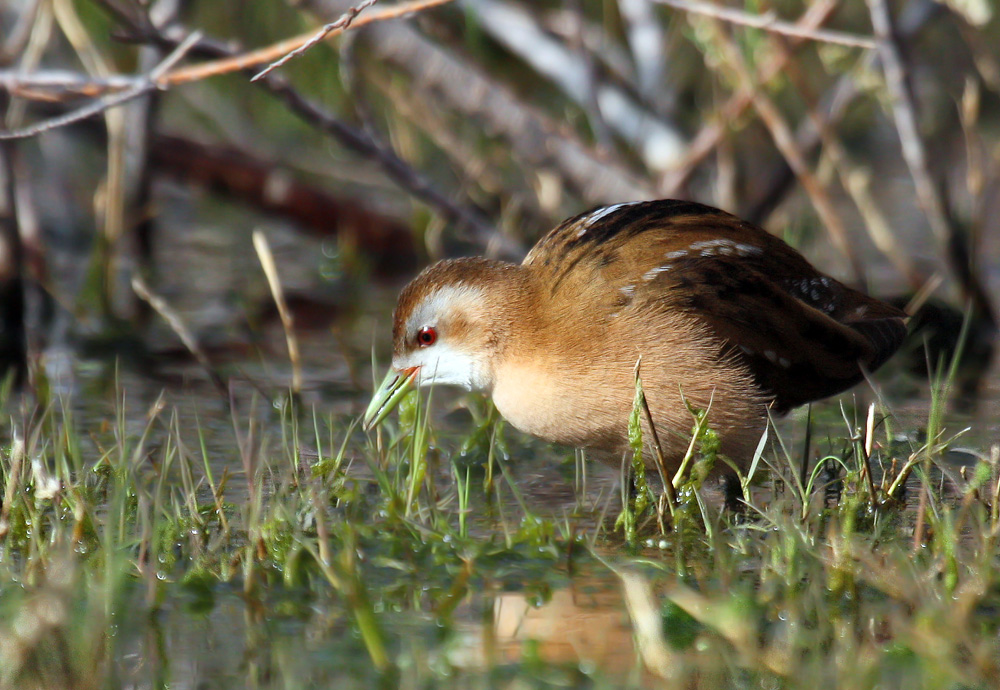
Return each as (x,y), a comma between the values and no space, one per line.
(402,560)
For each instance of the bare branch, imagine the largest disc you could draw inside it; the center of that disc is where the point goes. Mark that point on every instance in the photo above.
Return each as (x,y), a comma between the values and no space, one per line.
(150,83)
(56,86)
(659,142)
(241,61)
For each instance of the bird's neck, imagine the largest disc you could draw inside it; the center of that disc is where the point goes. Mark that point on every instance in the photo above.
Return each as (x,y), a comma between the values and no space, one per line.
(516,308)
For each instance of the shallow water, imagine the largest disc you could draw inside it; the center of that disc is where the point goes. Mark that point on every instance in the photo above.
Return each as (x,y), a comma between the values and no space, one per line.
(565,623)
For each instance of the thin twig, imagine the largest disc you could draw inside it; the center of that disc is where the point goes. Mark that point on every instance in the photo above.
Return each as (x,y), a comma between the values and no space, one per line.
(340,24)
(236,62)
(770,22)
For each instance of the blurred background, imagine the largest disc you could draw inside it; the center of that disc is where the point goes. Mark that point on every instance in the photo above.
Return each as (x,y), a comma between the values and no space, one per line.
(139,159)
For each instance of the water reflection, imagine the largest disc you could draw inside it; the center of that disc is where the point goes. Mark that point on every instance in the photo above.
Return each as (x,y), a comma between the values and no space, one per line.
(575,626)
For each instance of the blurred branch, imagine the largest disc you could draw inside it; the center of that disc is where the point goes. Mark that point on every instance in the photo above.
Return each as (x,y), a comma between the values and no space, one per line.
(915,17)
(769,22)
(57,86)
(930,195)
(315,210)
(659,143)
(18,36)
(646,41)
(597,177)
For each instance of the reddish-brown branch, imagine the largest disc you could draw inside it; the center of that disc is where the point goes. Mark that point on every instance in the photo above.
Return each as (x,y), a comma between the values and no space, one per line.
(385,240)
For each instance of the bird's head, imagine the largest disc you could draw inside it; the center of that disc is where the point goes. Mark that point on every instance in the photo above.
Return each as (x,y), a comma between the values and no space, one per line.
(448,329)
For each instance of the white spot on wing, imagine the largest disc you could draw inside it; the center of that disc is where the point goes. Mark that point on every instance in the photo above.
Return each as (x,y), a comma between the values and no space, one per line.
(652,273)
(601,213)
(724,247)
(771,355)
(708,244)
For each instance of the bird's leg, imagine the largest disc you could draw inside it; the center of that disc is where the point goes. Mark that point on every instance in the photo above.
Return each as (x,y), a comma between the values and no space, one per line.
(732,492)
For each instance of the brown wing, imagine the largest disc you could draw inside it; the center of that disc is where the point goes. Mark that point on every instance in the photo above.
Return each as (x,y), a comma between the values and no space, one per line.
(802,334)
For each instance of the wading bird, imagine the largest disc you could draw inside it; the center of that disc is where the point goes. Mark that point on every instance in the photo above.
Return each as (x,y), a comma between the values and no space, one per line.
(724,316)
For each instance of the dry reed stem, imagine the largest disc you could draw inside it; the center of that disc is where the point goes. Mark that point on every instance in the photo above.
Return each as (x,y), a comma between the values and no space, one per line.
(930,195)
(784,139)
(17,455)
(260,244)
(713,131)
(177,325)
(770,22)
(869,442)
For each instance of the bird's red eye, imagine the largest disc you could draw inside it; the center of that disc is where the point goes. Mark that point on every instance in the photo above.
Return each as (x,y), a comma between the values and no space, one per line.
(426,336)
